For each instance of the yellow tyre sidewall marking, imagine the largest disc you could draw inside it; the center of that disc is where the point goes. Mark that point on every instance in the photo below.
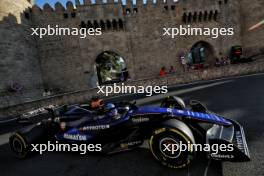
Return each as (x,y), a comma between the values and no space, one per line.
(22,139)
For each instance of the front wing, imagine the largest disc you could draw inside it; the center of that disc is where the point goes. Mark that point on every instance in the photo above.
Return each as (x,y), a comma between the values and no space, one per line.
(230,135)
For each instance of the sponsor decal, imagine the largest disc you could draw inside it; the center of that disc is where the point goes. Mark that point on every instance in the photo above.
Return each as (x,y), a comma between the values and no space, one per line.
(37,111)
(140,119)
(169,110)
(222,156)
(76,137)
(239,141)
(181,111)
(128,144)
(95,127)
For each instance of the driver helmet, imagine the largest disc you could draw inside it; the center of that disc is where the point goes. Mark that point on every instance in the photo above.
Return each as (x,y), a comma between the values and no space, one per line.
(96,103)
(111,111)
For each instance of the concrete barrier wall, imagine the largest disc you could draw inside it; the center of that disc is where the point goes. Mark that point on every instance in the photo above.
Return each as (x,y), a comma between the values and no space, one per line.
(187,77)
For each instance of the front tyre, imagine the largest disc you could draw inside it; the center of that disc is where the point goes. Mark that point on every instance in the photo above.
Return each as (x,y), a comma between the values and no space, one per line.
(173,102)
(165,146)
(19,146)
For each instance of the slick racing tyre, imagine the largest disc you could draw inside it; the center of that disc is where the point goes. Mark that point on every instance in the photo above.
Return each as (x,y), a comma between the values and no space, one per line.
(165,144)
(18,145)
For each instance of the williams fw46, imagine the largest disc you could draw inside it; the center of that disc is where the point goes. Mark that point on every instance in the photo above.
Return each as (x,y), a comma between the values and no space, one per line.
(124,126)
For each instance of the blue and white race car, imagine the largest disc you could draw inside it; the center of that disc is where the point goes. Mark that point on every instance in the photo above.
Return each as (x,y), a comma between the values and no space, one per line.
(124,126)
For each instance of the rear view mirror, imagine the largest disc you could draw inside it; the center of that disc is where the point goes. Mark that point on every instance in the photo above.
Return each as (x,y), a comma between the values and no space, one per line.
(51,112)
(197,106)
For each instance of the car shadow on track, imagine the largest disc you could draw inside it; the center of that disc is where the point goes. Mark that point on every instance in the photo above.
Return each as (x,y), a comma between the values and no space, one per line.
(138,162)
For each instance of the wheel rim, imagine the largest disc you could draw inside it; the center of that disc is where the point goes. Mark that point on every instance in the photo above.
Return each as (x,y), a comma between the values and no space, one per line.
(17,145)
(169,147)
(178,159)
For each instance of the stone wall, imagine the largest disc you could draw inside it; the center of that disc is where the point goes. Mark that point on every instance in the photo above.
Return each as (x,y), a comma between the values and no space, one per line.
(134,31)
(188,77)
(19,64)
(68,62)
(251,14)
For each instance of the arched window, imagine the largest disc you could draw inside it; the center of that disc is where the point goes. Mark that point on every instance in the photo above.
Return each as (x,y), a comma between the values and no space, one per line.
(216,15)
(189,17)
(27,16)
(201,52)
(96,25)
(128,11)
(210,15)
(120,24)
(135,10)
(114,24)
(102,25)
(200,16)
(184,18)
(89,24)
(108,25)
(83,24)
(205,15)
(195,17)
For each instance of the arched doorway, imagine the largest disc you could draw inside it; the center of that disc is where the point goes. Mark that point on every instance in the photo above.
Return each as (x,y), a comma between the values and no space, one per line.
(201,53)
(111,68)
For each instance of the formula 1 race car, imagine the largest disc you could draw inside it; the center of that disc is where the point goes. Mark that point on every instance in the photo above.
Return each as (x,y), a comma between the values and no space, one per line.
(124,126)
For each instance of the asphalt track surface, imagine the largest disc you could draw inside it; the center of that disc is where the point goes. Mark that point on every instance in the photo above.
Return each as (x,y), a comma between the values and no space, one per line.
(241,99)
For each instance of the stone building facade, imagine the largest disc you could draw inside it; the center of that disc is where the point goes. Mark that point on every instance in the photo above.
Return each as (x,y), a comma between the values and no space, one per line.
(134,31)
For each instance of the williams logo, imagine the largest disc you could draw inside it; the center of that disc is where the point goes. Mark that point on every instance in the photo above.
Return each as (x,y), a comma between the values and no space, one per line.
(140,119)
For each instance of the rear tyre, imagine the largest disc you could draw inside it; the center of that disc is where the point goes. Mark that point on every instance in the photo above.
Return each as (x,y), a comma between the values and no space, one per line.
(18,146)
(165,146)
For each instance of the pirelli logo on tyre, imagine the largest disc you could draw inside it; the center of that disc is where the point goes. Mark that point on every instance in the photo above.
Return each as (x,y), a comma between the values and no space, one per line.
(159,130)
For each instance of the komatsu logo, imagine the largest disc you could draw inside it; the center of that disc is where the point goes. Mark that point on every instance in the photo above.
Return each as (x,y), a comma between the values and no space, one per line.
(76,137)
